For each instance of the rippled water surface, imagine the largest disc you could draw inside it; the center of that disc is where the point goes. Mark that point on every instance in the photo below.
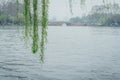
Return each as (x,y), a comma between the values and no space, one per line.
(73,53)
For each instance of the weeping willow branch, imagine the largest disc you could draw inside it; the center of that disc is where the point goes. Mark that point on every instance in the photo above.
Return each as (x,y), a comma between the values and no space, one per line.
(26,17)
(17,7)
(30,15)
(44,27)
(35,27)
(33,20)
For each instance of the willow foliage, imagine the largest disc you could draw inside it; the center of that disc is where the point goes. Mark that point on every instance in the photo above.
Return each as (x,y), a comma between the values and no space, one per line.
(44,27)
(32,32)
(17,1)
(35,27)
(27,18)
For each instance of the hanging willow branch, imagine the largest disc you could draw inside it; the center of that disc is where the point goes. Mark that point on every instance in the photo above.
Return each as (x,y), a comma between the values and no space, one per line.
(44,27)
(33,20)
(35,27)
(26,17)
(17,1)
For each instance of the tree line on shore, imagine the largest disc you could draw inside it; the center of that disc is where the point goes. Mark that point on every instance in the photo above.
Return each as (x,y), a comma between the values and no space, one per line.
(102,15)
(10,15)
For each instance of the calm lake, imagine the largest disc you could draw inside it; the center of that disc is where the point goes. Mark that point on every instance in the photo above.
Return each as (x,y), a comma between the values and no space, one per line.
(72,53)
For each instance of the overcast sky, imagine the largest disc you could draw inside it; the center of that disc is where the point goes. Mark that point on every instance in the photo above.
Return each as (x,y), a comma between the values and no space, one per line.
(60,8)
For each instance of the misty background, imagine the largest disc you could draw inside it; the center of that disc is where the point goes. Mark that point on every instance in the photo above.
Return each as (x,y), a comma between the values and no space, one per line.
(92,12)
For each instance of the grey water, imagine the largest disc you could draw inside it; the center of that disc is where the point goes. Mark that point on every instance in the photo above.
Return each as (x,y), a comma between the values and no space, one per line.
(72,53)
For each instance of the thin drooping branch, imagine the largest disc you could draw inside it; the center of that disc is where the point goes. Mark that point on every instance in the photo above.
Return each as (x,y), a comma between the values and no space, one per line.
(17,8)
(26,17)
(44,27)
(35,27)
(33,19)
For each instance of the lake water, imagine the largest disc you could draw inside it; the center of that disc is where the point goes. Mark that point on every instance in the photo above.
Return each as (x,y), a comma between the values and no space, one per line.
(73,53)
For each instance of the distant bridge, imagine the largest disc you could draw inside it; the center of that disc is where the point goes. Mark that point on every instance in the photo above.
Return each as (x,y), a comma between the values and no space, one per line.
(61,23)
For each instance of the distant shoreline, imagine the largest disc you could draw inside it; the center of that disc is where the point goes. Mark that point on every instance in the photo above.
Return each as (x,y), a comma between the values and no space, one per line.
(61,24)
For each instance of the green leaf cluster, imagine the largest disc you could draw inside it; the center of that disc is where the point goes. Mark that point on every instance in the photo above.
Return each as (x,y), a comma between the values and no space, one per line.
(32,32)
